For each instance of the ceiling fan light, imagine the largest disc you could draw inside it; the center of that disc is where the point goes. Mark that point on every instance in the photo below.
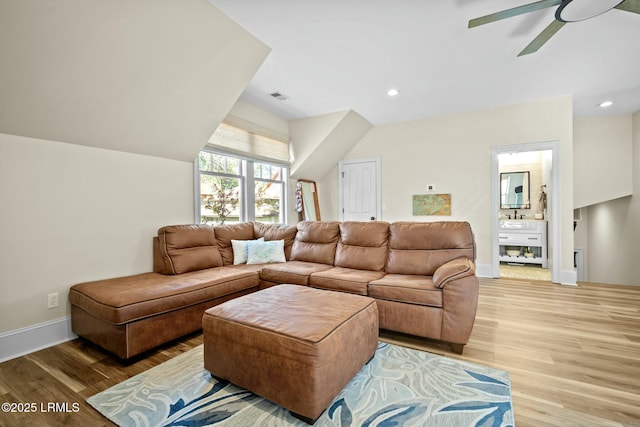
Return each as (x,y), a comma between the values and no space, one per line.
(579,10)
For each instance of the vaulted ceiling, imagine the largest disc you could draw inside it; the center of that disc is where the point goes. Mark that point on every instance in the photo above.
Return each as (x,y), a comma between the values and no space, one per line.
(337,55)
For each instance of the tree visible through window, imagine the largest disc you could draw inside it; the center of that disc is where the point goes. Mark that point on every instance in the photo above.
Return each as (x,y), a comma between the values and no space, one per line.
(228,194)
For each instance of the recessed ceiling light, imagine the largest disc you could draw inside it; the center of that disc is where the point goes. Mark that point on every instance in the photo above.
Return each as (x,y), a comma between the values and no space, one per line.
(605,104)
(393,92)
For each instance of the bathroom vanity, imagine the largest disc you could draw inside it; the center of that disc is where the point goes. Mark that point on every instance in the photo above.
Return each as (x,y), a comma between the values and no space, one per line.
(523,242)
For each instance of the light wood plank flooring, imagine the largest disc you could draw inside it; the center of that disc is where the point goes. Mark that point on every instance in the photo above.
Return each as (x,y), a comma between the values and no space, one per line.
(573,354)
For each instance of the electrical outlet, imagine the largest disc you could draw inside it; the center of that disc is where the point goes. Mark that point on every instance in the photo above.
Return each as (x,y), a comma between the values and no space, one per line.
(52,300)
(431,187)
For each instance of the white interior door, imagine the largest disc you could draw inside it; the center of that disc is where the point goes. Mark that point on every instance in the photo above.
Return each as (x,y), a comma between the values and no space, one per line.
(359,184)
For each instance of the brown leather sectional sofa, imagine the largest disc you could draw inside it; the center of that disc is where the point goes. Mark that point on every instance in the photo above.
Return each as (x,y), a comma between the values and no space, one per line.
(420,273)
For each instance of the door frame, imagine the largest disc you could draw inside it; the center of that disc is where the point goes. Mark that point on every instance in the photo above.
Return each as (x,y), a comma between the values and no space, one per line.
(341,164)
(553,231)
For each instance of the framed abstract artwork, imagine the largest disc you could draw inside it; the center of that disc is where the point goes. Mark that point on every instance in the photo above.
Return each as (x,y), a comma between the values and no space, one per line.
(431,204)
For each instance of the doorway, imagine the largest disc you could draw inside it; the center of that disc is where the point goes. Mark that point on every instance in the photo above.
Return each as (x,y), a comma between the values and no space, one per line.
(531,222)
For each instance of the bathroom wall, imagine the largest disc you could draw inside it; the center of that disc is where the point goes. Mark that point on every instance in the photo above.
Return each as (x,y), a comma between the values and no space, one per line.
(535,163)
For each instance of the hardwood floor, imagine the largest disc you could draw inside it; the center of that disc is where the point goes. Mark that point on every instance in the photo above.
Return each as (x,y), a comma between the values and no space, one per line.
(573,354)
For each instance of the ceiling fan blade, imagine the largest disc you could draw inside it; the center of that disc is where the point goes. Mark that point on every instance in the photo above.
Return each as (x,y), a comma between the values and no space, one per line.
(630,6)
(542,38)
(543,4)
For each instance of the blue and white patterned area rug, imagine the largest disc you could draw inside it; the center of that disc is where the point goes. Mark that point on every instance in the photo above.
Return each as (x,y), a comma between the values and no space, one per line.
(399,387)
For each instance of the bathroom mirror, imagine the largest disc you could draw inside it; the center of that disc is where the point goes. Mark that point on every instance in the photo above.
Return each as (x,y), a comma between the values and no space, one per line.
(307,194)
(514,190)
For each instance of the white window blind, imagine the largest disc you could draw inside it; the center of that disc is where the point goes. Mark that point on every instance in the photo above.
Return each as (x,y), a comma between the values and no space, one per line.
(235,140)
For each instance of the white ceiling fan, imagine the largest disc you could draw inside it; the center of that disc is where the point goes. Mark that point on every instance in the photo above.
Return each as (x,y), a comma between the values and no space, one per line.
(567,11)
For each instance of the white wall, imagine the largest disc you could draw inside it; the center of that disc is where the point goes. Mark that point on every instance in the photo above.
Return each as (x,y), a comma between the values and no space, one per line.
(454,153)
(611,230)
(72,213)
(602,159)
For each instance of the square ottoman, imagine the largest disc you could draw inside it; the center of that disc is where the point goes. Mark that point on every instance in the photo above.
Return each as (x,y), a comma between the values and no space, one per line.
(293,345)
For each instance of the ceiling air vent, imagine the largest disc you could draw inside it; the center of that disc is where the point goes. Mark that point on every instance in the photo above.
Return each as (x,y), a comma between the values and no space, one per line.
(279,96)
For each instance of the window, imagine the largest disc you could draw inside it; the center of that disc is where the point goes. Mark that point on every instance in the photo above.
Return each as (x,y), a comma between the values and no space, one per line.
(269,193)
(220,188)
(234,189)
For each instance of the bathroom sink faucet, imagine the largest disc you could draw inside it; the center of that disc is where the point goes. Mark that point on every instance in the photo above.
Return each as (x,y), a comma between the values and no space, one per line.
(515,215)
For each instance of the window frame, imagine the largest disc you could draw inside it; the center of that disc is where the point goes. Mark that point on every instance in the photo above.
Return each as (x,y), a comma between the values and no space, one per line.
(247,184)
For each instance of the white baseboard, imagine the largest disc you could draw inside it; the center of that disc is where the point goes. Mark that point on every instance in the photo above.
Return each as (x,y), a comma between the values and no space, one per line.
(568,277)
(484,270)
(35,337)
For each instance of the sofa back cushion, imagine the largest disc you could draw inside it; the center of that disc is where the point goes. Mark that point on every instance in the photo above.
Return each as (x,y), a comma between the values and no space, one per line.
(363,245)
(421,247)
(316,241)
(183,248)
(226,233)
(276,232)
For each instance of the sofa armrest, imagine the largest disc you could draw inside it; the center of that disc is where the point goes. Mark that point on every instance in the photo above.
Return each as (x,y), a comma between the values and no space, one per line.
(459,306)
(453,270)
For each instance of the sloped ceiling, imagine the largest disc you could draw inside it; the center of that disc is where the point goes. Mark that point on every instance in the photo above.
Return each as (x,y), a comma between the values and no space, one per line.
(319,143)
(145,76)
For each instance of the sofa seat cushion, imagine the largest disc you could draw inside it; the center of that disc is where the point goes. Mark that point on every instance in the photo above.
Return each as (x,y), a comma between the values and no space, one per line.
(247,267)
(345,279)
(407,288)
(295,272)
(126,299)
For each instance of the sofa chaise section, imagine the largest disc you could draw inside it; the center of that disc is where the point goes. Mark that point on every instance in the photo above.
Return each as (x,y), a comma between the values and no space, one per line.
(129,315)
(132,314)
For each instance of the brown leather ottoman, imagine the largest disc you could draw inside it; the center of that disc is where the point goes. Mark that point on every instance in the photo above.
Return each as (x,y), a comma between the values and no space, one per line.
(294,345)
